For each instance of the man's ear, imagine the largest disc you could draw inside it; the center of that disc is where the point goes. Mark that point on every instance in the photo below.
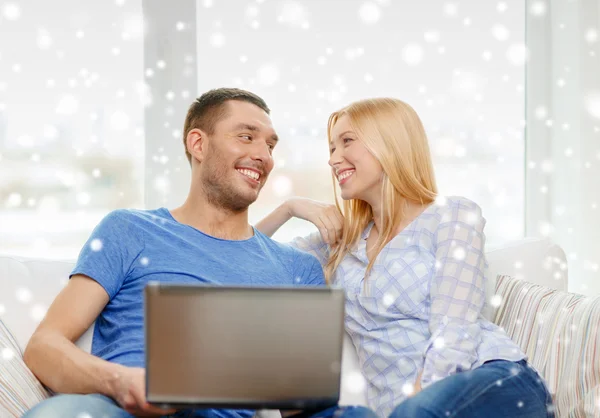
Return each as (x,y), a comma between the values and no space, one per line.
(196,143)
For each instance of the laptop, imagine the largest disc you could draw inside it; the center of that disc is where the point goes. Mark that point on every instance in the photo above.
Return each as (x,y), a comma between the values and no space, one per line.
(243,347)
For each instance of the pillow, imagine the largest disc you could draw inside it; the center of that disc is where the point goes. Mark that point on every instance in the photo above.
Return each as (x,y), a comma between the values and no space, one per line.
(537,260)
(19,388)
(560,333)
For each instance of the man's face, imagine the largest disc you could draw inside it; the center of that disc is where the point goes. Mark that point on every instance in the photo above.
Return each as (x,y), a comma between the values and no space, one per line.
(238,156)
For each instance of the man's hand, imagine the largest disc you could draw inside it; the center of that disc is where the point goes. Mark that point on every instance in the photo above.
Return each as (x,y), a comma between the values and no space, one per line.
(326,217)
(128,388)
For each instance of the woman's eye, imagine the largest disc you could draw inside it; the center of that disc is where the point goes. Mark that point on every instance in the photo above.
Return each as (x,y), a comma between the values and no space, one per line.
(332,150)
(346,140)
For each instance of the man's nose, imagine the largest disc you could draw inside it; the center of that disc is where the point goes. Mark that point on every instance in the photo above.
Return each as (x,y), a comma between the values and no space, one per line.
(261,152)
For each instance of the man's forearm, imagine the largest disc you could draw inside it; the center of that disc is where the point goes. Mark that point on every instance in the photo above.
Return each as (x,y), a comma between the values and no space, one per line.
(63,367)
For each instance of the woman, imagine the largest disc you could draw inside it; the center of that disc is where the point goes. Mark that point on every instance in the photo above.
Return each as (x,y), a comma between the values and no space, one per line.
(412,265)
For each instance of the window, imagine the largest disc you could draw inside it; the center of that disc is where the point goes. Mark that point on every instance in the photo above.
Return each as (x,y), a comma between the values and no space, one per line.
(459,64)
(71,121)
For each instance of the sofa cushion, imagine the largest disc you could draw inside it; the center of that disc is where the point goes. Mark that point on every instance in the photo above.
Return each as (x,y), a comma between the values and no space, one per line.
(536,260)
(560,333)
(19,388)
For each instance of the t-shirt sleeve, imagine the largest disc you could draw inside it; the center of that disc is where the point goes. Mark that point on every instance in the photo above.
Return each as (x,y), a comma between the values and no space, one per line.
(308,271)
(314,245)
(110,251)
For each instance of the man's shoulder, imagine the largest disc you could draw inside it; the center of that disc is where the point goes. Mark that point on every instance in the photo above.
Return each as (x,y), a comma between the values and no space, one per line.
(132,216)
(285,249)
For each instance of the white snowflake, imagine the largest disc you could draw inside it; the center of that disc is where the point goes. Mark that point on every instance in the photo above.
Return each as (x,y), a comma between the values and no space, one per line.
(459,253)
(7,354)
(293,14)
(412,54)
(369,13)
(96,244)
(538,8)
(11,11)
(24,295)
(450,9)
(591,35)
(408,389)
(500,32)
(496,301)
(517,54)
(38,312)
(592,104)
(83,198)
(282,186)
(13,200)
(44,40)
(354,382)
(217,40)
(268,74)
(388,300)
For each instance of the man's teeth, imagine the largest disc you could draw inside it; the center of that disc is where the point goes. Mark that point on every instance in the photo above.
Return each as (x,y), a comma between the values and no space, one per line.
(249,173)
(345,174)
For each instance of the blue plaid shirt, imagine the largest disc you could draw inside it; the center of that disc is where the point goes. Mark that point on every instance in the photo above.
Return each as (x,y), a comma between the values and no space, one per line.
(420,308)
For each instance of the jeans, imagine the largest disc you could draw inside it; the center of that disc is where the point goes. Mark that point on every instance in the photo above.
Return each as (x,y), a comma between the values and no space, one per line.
(100,406)
(497,389)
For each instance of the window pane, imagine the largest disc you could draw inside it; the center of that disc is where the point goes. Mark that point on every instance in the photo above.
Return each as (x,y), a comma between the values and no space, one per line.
(71,120)
(459,64)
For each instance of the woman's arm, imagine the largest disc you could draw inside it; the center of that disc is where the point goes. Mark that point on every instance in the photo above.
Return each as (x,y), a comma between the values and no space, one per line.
(457,292)
(326,217)
(274,220)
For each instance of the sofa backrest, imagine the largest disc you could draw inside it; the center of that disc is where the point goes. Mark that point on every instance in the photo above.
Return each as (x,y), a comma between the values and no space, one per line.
(27,288)
(536,260)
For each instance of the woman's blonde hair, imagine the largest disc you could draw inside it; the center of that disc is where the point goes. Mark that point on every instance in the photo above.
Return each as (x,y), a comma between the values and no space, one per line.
(393,133)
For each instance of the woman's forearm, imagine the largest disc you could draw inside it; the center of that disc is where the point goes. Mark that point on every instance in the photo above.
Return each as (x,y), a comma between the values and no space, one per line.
(273,221)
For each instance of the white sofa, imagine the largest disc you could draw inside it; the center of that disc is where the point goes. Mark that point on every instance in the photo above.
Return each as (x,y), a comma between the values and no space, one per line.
(28,286)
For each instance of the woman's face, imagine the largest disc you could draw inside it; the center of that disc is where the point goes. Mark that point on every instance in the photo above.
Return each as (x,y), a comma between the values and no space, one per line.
(357,171)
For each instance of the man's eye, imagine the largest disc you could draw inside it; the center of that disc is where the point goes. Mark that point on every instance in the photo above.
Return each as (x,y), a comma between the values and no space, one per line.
(247,136)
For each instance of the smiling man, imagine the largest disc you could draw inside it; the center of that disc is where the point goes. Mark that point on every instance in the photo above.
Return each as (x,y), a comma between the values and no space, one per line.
(229,140)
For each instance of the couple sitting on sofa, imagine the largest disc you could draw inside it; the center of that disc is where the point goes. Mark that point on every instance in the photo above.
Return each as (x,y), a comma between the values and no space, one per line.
(412,266)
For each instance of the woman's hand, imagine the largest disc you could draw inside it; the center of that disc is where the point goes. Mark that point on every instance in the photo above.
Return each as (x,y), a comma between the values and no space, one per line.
(326,217)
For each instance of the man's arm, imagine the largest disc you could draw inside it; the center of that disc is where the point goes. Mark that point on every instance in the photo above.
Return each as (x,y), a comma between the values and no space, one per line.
(62,366)
(51,353)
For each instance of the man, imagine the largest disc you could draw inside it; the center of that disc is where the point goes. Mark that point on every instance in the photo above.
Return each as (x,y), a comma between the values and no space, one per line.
(229,140)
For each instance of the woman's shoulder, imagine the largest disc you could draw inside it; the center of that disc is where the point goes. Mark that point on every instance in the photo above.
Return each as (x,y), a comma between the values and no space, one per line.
(454,203)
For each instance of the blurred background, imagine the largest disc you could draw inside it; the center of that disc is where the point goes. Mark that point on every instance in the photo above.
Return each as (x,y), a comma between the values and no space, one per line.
(93,97)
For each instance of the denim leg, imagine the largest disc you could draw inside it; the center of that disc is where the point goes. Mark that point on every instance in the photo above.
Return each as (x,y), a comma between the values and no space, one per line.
(77,406)
(338,412)
(497,389)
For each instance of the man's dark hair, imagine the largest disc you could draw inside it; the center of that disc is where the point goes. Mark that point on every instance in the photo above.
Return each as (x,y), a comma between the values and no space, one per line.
(210,108)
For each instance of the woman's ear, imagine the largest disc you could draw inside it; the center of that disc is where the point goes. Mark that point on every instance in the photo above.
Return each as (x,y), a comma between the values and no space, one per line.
(195,142)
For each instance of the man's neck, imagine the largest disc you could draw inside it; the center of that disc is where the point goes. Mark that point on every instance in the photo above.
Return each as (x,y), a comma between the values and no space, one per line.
(220,223)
